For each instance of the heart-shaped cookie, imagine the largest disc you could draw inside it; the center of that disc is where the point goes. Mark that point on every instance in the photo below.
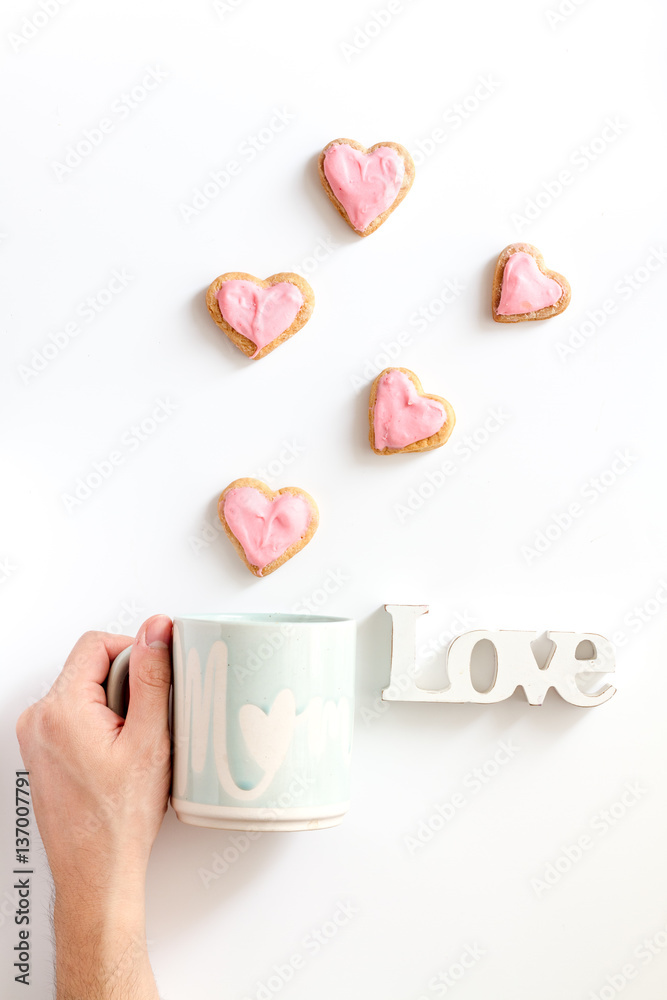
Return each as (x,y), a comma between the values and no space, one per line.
(267,527)
(524,289)
(258,315)
(365,185)
(403,418)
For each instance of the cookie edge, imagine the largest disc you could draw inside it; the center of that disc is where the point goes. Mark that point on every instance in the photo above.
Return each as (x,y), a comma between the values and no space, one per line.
(408,179)
(436,440)
(547,311)
(258,484)
(243,343)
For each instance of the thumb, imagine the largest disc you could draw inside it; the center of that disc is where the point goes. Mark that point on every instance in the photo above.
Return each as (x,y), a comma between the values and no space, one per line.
(150,676)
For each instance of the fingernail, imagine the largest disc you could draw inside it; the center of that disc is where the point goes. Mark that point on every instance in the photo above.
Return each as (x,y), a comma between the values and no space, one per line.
(158,632)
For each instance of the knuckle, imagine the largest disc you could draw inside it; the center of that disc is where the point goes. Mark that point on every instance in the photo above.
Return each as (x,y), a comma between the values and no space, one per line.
(49,723)
(154,672)
(91,636)
(162,753)
(24,725)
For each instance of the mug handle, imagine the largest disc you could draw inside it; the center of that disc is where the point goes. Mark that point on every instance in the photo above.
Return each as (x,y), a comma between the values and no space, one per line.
(116,685)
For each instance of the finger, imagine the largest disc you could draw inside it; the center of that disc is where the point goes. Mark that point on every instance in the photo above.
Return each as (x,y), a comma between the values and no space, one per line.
(150,678)
(88,663)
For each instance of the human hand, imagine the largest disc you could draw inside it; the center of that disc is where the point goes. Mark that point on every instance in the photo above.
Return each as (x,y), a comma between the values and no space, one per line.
(100,785)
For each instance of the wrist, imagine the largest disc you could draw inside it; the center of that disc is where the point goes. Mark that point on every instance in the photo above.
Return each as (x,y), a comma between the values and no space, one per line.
(108,902)
(101,947)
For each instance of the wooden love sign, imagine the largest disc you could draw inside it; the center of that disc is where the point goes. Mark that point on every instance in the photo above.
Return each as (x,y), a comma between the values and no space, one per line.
(515,664)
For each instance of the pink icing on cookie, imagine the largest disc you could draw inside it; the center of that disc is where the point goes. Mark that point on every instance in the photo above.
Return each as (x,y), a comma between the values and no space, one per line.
(525,289)
(260,314)
(401,415)
(266,528)
(366,184)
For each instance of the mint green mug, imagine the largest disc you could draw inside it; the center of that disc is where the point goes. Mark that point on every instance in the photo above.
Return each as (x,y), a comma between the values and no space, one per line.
(262,719)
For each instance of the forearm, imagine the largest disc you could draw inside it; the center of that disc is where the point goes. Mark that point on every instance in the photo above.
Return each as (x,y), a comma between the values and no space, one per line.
(100,786)
(101,951)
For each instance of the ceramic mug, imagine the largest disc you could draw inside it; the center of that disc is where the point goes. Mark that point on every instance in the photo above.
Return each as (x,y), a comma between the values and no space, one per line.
(262,718)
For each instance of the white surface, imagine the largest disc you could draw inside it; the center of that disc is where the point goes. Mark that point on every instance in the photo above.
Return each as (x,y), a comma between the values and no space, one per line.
(130,543)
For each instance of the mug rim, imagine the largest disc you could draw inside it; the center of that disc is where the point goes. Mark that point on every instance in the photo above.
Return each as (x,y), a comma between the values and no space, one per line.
(261,618)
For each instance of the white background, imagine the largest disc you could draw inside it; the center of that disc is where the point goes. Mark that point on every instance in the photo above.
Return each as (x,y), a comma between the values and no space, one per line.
(133,547)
